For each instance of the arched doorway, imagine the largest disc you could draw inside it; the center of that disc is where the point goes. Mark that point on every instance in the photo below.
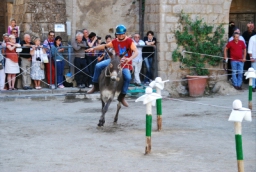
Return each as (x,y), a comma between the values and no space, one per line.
(242,12)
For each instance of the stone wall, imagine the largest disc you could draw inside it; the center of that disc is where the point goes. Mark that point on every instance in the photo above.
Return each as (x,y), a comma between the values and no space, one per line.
(164,20)
(102,16)
(38,17)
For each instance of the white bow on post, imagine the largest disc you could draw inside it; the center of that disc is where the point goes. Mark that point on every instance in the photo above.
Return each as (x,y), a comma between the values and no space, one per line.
(149,97)
(239,113)
(251,73)
(158,83)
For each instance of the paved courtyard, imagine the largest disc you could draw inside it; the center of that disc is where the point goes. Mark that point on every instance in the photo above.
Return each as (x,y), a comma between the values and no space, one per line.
(52,134)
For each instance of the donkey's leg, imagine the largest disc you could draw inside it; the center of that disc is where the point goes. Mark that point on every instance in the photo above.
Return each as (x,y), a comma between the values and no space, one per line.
(104,110)
(117,111)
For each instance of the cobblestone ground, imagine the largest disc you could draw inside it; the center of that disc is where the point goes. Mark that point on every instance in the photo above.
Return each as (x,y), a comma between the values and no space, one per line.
(62,135)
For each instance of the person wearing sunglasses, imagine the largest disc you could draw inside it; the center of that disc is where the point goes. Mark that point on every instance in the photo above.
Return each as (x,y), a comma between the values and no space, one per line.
(49,67)
(15,33)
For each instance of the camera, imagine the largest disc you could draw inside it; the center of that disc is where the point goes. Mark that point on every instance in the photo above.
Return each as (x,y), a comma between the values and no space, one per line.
(99,38)
(38,48)
(38,59)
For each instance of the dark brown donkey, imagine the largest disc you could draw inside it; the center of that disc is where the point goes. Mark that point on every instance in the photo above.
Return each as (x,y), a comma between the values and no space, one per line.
(110,84)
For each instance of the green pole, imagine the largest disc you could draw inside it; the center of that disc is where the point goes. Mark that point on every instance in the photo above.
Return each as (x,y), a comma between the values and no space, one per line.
(148,128)
(250,94)
(159,110)
(239,146)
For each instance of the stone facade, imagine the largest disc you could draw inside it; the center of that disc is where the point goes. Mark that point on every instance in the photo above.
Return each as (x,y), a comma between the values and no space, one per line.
(161,16)
(38,17)
(102,16)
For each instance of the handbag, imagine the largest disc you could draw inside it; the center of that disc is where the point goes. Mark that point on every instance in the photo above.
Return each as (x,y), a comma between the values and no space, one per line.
(42,65)
(45,58)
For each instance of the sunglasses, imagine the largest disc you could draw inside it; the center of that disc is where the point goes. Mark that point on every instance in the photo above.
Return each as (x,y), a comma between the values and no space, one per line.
(14,32)
(51,35)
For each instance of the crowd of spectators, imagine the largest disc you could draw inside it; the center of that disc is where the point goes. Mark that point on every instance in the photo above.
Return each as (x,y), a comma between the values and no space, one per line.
(242,53)
(25,57)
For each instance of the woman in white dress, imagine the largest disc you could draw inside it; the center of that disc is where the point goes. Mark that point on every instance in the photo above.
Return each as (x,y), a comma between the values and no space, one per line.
(37,74)
(11,64)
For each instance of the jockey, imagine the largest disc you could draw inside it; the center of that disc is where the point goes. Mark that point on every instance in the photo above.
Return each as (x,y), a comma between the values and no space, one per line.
(120,45)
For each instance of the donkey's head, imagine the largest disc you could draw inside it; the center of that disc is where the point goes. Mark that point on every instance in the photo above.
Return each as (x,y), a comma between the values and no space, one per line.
(113,70)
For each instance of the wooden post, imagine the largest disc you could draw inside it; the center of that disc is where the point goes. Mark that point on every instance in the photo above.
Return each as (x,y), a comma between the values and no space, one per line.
(237,115)
(148,128)
(159,110)
(239,146)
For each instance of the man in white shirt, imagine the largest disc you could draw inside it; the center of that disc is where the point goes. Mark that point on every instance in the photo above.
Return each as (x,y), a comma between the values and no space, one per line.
(137,61)
(252,54)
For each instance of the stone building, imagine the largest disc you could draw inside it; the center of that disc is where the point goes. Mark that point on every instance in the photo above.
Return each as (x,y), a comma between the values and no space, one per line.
(161,16)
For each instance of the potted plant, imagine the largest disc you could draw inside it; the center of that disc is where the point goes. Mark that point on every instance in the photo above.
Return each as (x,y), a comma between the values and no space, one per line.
(200,40)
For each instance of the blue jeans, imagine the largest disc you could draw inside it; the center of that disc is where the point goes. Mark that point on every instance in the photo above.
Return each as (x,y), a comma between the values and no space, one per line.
(148,64)
(237,73)
(60,70)
(101,65)
(254,80)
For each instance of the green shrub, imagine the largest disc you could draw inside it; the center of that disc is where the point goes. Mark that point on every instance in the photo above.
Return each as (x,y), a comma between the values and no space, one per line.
(197,36)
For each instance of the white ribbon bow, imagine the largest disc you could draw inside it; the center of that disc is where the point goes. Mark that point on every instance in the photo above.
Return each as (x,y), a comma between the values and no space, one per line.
(239,113)
(158,83)
(251,73)
(149,97)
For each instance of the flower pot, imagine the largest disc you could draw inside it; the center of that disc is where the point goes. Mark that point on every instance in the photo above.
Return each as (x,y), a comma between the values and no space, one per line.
(196,85)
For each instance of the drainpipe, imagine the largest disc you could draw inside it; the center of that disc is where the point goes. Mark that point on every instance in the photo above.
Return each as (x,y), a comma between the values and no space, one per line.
(141,17)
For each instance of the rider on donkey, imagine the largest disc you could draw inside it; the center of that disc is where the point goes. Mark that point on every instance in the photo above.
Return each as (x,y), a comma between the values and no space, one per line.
(121,44)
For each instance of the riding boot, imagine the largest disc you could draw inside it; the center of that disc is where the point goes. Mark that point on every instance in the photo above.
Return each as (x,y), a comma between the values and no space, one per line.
(122,100)
(94,88)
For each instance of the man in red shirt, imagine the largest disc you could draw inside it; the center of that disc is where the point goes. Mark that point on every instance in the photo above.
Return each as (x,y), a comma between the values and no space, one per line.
(238,57)
(120,45)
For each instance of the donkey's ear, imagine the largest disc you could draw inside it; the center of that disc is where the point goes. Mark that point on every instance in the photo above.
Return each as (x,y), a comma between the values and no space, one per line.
(109,53)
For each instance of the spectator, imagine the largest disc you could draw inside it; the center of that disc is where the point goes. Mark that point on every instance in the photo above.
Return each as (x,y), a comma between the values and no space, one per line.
(2,51)
(26,61)
(11,65)
(2,74)
(137,61)
(102,55)
(85,35)
(49,67)
(231,29)
(91,57)
(37,73)
(80,61)
(249,33)
(236,30)
(57,55)
(15,33)
(148,55)
(13,26)
(238,56)
(252,54)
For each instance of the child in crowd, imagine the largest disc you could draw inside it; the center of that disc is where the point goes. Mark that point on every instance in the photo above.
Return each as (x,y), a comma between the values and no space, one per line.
(57,55)
(13,25)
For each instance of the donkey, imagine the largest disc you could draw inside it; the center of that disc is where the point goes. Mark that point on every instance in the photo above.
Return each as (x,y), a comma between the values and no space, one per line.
(110,84)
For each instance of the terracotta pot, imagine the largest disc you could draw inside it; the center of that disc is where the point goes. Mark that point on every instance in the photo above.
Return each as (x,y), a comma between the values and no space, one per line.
(196,85)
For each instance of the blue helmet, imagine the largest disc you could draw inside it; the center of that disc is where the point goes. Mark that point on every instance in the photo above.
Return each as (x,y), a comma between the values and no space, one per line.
(120,29)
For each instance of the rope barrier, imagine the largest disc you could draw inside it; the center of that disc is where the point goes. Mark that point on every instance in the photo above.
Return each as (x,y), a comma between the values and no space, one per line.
(189,52)
(204,104)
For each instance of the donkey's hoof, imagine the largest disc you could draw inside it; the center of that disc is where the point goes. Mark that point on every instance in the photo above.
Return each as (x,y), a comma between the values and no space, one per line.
(101,123)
